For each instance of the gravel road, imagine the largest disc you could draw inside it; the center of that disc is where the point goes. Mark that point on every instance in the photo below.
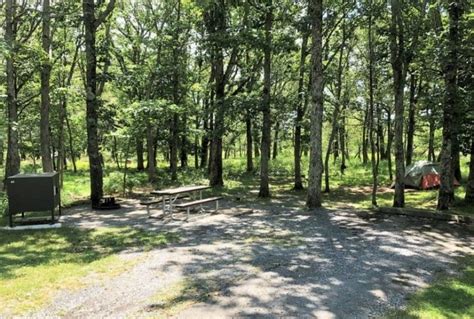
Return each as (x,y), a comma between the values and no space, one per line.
(275,262)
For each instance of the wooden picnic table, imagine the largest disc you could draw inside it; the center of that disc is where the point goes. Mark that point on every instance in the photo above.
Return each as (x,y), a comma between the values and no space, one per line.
(170,195)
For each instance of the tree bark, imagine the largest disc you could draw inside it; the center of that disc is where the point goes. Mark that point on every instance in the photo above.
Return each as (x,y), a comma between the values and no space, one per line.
(450,70)
(335,115)
(397,52)
(115,154)
(183,156)
(470,180)
(174,137)
(365,140)
(456,158)
(139,150)
(299,112)
(411,119)
(256,144)
(380,133)
(71,142)
(314,199)
(2,150)
(343,133)
(266,127)
(248,133)
(431,136)
(211,146)
(61,144)
(275,141)
(174,129)
(91,24)
(45,139)
(150,147)
(216,25)
(96,174)
(63,117)
(371,115)
(205,136)
(196,145)
(13,155)
(388,152)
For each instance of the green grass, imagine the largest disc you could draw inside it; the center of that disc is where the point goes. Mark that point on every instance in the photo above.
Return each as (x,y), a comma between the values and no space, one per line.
(36,264)
(448,298)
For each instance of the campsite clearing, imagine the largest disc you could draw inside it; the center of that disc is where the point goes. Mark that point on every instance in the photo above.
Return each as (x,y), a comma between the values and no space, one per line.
(276,261)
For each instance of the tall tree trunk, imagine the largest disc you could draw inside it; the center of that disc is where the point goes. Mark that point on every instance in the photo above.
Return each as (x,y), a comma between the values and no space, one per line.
(2,150)
(365,140)
(380,133)
(13,155)
(174,129)
(174,138)
(335,115)
(470,180)
(150,147)
(139,150)
(388,153)
(196,145)
(216,25)
(371,115)
(45,139)
(92,112)
(335,148)
(299,112)
(205,136)
(256,144)
(314,199)
(183,156)
(397,52)
(411,119)
(450,70)
(343,134)
(456,158)
(248,133)
(96,174)
(266,127)
(211,146)
(115,154)
(61,135)
(71,141)
(431,137)
(63,116)
(275,141)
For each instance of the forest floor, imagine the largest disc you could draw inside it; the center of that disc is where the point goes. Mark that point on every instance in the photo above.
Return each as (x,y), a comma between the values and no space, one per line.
(279,260)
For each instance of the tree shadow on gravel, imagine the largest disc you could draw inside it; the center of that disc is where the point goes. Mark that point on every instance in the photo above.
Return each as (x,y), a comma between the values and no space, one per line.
(306,264)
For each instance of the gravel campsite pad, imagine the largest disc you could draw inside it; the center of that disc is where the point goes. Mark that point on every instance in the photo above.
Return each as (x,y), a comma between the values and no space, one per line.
(268,263)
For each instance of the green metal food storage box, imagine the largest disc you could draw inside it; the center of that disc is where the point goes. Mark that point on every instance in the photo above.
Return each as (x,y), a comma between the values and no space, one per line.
(33,193)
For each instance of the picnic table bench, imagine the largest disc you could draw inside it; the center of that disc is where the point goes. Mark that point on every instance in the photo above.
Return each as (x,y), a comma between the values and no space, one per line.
(168,198)
(199,202)
(157,200)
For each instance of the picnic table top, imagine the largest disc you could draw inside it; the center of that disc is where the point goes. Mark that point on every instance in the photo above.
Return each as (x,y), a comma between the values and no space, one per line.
(179,190)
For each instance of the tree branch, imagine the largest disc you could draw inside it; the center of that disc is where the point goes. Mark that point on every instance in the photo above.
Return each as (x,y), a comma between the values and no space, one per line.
(105,13)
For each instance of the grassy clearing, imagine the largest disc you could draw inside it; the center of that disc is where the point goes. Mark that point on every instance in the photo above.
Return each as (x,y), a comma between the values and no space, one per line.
(447,298)
(34,265)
